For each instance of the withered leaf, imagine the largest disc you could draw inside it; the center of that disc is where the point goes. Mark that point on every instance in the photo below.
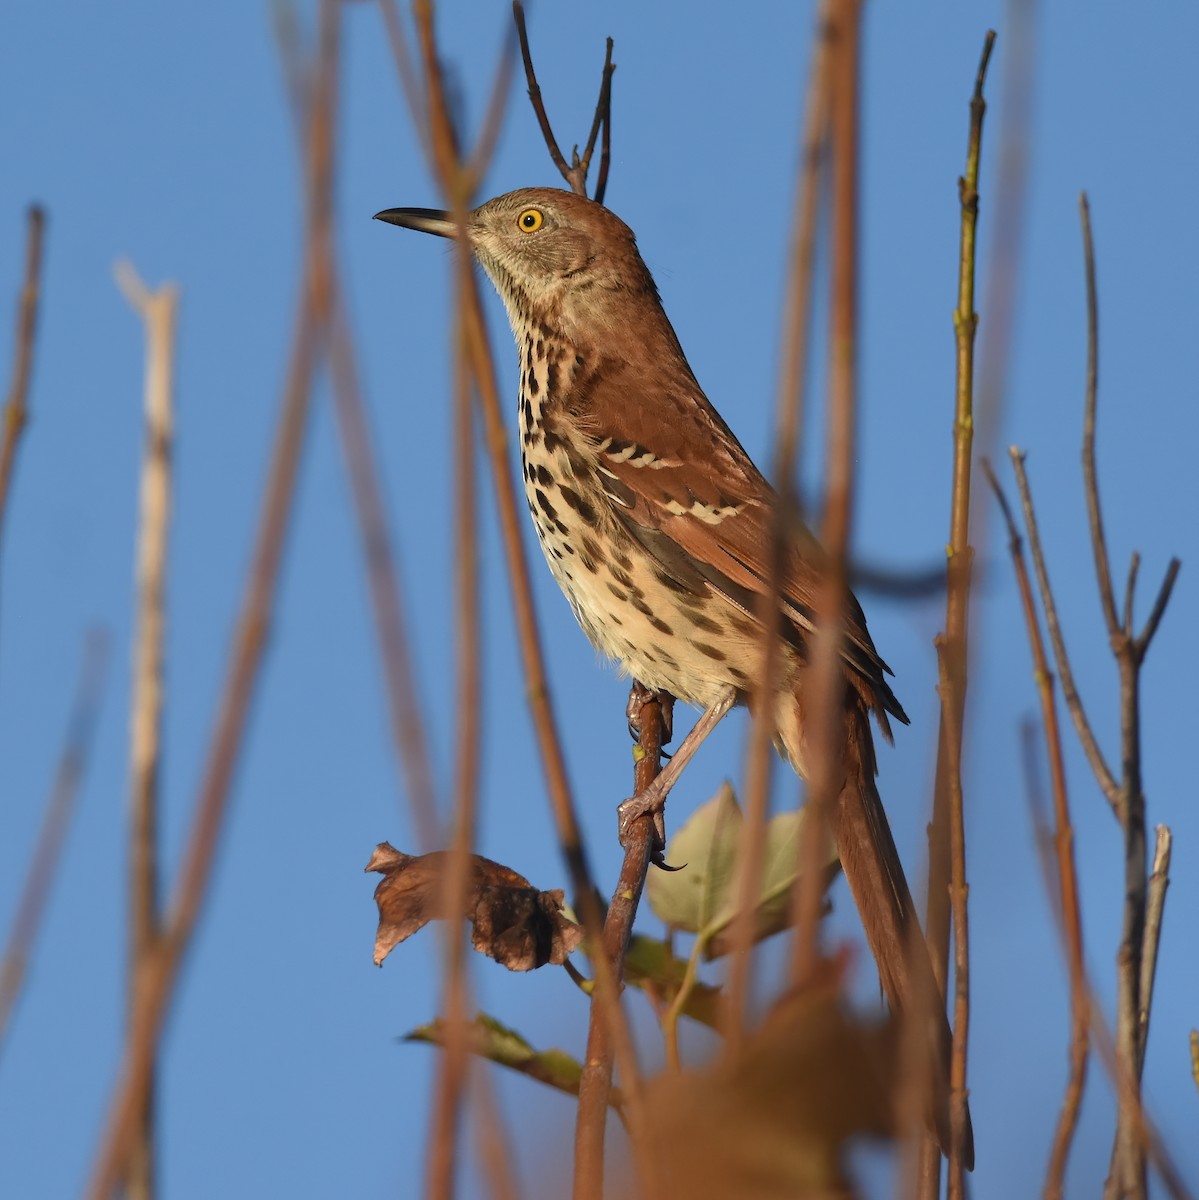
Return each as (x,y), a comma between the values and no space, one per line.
(493,1040)
(511,921)
(773,1120)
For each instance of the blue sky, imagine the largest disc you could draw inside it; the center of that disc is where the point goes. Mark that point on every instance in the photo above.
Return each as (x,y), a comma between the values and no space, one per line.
(162,134)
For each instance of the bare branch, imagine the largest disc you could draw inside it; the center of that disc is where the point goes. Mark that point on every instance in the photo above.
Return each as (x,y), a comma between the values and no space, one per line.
(1159,881)
(60,804)
(1068,906)
(16,407)
(574,172)
(1159,607)
(947,838)
(1074,706)
(547,132)
(1103,572)
(157,310)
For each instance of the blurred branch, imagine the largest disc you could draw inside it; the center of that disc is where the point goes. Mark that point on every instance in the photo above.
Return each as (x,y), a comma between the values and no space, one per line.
(59,807)
(382,569)
(16,407)
(840,26)
(789,408)
(1067,876)
(158,311)
(157,983)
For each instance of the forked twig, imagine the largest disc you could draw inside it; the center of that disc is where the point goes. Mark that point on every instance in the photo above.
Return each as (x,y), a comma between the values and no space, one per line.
(575,172)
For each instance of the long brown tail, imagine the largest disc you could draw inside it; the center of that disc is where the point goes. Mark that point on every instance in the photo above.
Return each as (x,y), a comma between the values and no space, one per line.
(880,889)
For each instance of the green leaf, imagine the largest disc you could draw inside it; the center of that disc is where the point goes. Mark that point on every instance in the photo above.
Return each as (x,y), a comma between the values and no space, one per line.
(706,847)
(701,898)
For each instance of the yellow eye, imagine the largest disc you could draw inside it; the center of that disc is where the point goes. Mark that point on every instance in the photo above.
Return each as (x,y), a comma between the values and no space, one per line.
(531,220)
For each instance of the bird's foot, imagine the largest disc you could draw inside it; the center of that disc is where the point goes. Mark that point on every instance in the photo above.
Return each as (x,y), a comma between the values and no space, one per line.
(652,803)
(639,697)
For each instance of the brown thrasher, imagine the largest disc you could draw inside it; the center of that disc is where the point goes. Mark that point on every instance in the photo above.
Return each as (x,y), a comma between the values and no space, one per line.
(657,526)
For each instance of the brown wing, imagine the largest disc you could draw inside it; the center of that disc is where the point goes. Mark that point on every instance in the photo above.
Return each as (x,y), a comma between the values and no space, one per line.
(685,488)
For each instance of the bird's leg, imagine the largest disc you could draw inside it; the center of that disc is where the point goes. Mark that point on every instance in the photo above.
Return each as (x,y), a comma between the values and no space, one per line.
(653,798)
(639,697)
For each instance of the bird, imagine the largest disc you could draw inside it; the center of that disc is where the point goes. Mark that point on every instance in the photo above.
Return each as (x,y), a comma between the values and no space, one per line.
(658,528)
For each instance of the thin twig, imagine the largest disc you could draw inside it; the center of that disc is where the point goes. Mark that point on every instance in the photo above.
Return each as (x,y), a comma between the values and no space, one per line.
(158,312)
(947,845)
(1127,1089)
(1159,881)
(1068,902)
(602,109)
(447,1101)
(547,131)
(1103,571)
(382,569)
(789,406)
(841,29)
(409,80)
(1061,658)
(157,984)
(60,804)
(575,173)
(16,407)
(1142,640)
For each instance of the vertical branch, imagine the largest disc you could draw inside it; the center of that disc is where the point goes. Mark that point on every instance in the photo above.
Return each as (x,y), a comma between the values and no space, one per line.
(158,981)
(947,844)
(16,407)
(1127,1174)
(789,404)
(384,584)
(454,1063)
(825,725)
(1063,840)
(1159,880)
(158,312)
(595,1086)
(59,806)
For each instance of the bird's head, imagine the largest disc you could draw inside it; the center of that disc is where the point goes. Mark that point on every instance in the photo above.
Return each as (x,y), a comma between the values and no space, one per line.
(547,251)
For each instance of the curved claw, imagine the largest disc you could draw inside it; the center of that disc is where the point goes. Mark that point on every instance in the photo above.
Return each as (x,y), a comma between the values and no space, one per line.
(639,696)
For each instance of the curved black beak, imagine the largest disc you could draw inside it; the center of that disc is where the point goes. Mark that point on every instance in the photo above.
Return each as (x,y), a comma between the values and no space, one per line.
(424,220)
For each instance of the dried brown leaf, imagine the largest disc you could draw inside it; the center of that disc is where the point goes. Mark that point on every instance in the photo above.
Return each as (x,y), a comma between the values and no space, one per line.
(511,921)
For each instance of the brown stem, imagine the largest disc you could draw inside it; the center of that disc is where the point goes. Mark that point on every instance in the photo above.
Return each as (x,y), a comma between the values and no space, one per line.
(60,804)
(16,407)
(1067,877)
(595,1086)
(399,672)
(158,313)
(575,173)
(1103,571)
(947,889)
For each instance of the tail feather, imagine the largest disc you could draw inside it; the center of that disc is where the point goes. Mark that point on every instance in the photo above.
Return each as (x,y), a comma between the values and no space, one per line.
(876,878)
